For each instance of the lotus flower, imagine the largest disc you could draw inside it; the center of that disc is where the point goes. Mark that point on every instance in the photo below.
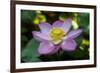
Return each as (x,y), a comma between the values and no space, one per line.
(56,36)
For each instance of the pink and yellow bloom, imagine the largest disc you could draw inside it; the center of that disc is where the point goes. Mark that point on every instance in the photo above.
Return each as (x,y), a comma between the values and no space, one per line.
(56,36)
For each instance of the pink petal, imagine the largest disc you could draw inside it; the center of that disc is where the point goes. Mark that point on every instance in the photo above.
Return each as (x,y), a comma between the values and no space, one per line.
(45,27)
(56,49)
(46,48)
(57,24)
(69,45)
(67,25)
(40,36)
(75,33)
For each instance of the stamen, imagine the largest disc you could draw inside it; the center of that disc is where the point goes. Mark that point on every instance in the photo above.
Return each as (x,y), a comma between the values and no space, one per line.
(56,35)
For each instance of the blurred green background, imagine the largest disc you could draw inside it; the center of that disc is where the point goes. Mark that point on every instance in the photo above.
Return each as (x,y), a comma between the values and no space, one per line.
(29,22)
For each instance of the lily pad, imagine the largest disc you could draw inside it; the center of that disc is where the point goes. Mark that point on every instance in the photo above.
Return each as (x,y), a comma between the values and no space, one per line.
(29,53)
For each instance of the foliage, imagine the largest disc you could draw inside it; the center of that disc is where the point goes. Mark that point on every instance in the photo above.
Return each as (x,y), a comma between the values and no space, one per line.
(29,53)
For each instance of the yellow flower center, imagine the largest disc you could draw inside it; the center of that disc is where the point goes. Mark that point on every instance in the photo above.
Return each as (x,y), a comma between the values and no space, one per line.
(56,35)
